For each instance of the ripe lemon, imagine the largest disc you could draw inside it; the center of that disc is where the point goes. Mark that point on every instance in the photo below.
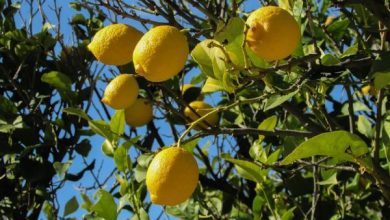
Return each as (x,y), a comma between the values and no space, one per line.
(172,176)
(161,53)
(273,33)
(140,113)
(201,108)
(114,44)
(121,92)
(368,90)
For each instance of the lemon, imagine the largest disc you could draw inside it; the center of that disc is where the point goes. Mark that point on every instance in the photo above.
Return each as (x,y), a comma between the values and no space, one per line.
(172,176)
(161,53)
(201,108)
(273,33)
(121,92)
(114,44)
(368,90)
(140,113)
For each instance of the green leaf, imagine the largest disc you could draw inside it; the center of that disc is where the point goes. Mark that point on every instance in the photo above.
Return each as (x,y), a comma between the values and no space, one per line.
(231,36)
(71,206)
(338,144)
(364,126)
(332,180)
(380,71)
(246,169)
(329,60)
(121,159)
(102,128)
(105,206)
(268,124)
(140,173)
(61,82)
(107,148)
(124,184)
(98,126)
(201,55)
(142,215)
(274,156)
(124,200)
(7,106)
(84,147)
(289,214)
(212,85)
(357,107)
(62,168)
(87,202)
(189,146)
(77,112)
(117,123)
(276,100)
(338,28)
(49,211)
(352,50)
(144,159)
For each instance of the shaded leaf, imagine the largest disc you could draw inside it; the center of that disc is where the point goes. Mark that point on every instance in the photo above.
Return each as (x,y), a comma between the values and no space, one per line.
(71,206)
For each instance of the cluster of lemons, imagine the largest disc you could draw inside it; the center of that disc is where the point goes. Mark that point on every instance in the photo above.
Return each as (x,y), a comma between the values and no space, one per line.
(160,54)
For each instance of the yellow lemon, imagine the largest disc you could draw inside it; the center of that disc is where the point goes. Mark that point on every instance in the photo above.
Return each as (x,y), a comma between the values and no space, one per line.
(201,108)
(273,33)
(140,113)
(368,90)
(161,53)
(121,92)
(114,44)
(172,176)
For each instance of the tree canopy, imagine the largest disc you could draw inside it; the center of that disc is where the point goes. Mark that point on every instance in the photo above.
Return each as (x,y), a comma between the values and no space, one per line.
(304,137)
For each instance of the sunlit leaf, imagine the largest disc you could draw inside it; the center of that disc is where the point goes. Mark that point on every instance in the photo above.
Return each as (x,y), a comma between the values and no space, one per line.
(246,169)
(105,207)
(339,144)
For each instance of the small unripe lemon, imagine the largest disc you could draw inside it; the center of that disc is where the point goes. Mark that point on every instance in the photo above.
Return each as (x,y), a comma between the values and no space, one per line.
(273,33)
(161,53)
(114,44)
(140,113)
(121,92)
(172,176)
(201,108)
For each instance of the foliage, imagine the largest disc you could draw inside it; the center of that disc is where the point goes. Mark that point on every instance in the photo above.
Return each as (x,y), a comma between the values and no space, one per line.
(297,138)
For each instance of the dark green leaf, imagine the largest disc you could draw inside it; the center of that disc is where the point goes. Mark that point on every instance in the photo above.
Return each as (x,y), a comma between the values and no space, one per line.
(71,206)
(49,211)
(380,71)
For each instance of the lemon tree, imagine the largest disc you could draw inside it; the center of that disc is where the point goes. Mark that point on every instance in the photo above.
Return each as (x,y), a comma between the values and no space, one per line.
(196,110)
